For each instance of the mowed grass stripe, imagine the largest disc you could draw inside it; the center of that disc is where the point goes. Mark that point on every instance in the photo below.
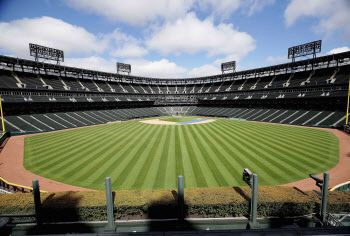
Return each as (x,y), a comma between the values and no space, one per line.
(252,156)
(288,148)
(282,162)
(202,164)
(216,150)
(314,142)
(145,160)
(93,161)
(62,164)
(70,150)
(131,158)
(150,178)
(170,167)
(61,135)
(282,131)
(217,168)
(159,182)
(218,147)
(200,179)
(107,164)
(54,142)
(143,156)
(311,156)
(112,163)
(291,131)
(187,165)
(179,168)
(85,135)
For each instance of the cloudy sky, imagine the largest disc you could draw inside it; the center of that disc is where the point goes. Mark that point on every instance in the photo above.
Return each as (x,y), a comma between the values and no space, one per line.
(173,38)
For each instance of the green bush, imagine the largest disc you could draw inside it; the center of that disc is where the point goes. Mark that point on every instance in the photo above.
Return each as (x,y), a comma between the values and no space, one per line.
(155,204)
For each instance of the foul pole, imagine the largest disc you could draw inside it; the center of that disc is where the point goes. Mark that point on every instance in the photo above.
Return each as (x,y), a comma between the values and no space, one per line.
(347,110)
(2,117)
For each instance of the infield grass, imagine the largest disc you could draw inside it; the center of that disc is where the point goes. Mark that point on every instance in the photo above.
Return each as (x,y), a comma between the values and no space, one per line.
(180,118)
(145,156)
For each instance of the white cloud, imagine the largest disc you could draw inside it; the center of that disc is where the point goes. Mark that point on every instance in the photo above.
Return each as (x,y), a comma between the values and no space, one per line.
(277,59)
(92,63)
(124,45)
(158,69)
(204,70)
(129,51)
(16,35)
(190,35)
(135,12)
(142,12)
(338,50)
(254,6)
(333,14)
(219,8)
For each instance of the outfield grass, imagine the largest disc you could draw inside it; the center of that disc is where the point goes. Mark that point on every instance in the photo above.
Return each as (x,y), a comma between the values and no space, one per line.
(144,156)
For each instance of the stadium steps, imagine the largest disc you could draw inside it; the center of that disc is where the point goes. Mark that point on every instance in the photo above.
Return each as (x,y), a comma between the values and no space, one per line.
(296,120)
(109,113)
(274,118)
(269,115)
(81,117)
(22,124)
(98,119)
(289,117)
(325,118)
(37,123)
(254,114)
(104,114)
(311,120)
(7,80)
(261,115)
(73,120)
(60,125)
(101,116)
(118,114)
(249,111)
(339,122)
(64,121)
(12,127)
(88,117)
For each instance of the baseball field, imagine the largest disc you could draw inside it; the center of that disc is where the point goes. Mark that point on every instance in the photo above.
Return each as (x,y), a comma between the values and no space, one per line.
(150,156)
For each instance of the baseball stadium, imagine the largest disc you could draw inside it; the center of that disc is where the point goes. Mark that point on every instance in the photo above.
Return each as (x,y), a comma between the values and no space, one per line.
(93,151)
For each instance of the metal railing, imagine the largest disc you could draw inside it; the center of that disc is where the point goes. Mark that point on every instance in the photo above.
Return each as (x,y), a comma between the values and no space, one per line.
(16,187)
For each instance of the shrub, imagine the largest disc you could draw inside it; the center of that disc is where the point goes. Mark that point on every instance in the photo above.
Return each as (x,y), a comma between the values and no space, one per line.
(200,202)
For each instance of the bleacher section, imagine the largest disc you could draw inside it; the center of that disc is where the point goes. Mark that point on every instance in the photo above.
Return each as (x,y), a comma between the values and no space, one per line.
(300,80)
(314,118)
(65,120)
(40,97)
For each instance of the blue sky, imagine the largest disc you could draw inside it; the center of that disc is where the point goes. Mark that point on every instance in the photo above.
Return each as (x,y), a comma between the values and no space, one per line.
(173,38)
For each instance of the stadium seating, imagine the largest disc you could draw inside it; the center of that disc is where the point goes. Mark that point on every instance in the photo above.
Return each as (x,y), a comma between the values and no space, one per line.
(37,100)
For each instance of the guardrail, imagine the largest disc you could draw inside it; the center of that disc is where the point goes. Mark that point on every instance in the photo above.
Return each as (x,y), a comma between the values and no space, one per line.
(16,187)
(341,187)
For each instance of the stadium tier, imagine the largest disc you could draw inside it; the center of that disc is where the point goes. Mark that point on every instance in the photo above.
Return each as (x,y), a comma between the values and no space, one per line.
(41,97)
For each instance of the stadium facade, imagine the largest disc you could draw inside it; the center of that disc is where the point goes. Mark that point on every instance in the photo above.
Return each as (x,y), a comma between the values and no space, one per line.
(40,97)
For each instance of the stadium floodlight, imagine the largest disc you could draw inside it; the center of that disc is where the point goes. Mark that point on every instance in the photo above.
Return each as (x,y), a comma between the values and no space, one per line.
(304,50)
(228,66)
(121,67)
(38,51)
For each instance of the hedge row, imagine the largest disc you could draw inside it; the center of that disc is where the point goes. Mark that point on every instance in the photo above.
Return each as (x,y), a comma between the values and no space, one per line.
(156,204)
